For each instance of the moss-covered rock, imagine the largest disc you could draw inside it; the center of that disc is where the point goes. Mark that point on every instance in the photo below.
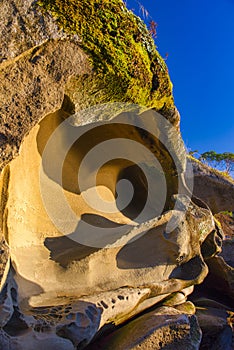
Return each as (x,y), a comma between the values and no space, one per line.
(126,64)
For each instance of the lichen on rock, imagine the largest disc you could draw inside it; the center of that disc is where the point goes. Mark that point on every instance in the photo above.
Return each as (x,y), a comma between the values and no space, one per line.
(126,64)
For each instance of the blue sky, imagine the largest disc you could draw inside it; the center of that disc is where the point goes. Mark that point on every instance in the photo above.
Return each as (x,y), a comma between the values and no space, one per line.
(198,36)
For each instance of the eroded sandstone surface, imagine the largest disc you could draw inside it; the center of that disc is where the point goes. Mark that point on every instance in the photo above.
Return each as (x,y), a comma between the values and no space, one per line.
(79,258)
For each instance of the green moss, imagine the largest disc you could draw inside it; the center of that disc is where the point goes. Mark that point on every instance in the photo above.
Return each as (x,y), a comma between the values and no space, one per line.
(126,64)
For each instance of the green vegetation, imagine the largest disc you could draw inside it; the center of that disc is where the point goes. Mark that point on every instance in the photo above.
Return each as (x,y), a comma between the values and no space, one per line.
(224,161)
(213,170)
(126,64)
(229,213)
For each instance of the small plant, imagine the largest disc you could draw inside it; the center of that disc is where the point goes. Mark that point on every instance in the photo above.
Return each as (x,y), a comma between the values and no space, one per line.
(152,24)
(153,28)
(166,56)
(192,153)
(143,10)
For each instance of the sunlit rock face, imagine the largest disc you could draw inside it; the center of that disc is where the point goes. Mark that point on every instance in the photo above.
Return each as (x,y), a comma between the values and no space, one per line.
(121,255)
(97,218)
(128,242)
(36,61)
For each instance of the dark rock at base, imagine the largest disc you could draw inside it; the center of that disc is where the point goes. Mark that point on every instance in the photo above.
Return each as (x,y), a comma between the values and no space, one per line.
(220,277)
(228,252)
(216,328)
(164,328)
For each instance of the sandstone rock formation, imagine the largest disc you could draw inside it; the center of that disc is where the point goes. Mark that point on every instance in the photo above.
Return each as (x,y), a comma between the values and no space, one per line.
(43,61)
(37,59)
(213,188)
(68,70)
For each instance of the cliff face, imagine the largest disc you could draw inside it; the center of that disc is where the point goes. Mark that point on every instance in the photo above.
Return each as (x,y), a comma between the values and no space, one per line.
(98,222)
(214,188)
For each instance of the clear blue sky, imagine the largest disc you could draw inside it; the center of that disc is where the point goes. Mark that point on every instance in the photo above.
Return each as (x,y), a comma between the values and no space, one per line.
(198,35)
